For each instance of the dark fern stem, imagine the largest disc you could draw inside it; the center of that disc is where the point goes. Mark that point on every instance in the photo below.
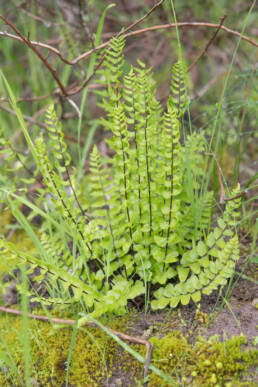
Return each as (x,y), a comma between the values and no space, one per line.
(67,209)
(138,164)
(171,192)
(125,185)
(69,179)
(147,163)
(108,217)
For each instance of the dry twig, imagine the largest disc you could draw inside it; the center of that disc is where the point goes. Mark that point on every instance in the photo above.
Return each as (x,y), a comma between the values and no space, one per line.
(127,35)
(47,64)
(223,197)
(208,44)
(75,90)
(33,48)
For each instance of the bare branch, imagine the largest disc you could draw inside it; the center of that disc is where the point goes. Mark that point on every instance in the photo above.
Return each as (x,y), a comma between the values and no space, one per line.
(142,18)
(33,48)
(208,44)
(223,197)
(37,44)
(127,35)
(167,26)
(81,87)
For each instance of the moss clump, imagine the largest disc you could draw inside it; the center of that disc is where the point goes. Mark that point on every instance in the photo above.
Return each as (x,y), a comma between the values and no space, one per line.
(219,362)
(6,219)
(92,356)
(97,358)
(206,363)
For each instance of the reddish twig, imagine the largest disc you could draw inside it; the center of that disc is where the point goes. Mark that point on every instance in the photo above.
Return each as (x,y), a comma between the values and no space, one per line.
(38,44)
(191,24)
(205,88)
(33,48)
(123,336)
(50,68)
(223,197)
(208,44)
(221,184)
(239,195)
(81,87)
(142,18)
(166,26)
(127,35)
(77,89)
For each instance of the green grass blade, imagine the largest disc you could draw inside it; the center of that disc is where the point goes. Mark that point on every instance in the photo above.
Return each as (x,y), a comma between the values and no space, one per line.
(25,337)
(75,330)
(20,117)
(89,72)
(127,348)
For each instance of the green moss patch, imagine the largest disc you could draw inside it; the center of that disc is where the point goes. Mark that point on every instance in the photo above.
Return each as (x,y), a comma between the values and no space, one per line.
(206,363)
(96,358)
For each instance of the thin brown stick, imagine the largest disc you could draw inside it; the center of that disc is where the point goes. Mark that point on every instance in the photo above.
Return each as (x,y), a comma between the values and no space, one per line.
(93,86)
(208,44)
(81,87)
(50,68)
(142,18)
(37,44)
(221,184)
(191,24)
(127,35)
(33,48)
(166,26)
(77,89)
(239,195)
(223,197)
(205,88)
(123,336)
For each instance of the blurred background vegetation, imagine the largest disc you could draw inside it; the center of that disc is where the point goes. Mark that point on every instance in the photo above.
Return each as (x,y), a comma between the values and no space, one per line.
(70,26)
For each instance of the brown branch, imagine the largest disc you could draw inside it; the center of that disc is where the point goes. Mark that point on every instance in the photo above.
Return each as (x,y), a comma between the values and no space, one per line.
(134,33)
(191,24)
(33,48)
(50,68)
(239,195)
(166,26)
(142,18)
(38,44)
(208,44)
(221,184)
(123,336)
(81,87)
(205,88)
(223,197)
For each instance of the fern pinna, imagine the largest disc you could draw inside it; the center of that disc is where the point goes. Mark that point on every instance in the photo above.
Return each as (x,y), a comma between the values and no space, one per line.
(141,230)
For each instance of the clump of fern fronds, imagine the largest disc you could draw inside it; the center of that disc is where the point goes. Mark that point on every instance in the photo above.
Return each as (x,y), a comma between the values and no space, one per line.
(140,232)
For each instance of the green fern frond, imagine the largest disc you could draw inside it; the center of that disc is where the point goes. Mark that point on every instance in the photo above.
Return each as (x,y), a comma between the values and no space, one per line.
(178,89)
(147,228)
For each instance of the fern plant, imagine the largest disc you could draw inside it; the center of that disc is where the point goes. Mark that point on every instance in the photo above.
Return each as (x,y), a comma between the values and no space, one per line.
(141,229)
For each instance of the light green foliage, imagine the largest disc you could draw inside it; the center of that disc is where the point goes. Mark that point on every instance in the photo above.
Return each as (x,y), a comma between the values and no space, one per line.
(142,227)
